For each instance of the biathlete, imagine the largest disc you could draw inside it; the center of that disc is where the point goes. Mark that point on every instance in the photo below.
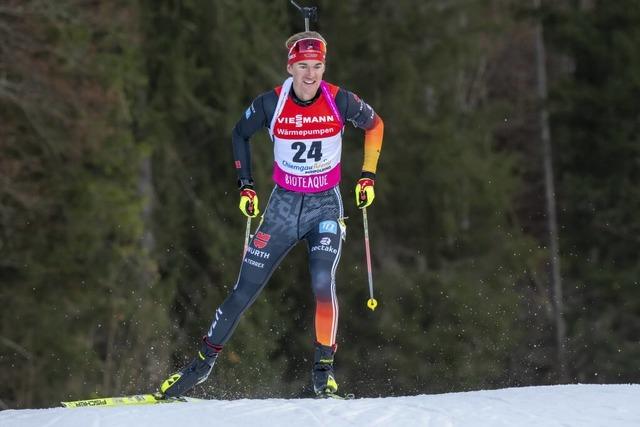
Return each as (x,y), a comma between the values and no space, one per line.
(305,118)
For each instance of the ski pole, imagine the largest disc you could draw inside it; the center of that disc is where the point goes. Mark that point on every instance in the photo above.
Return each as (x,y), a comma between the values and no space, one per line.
(371,303)
(247,235)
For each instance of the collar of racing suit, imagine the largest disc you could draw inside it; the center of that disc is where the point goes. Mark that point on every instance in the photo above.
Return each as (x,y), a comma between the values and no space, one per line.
(302,103)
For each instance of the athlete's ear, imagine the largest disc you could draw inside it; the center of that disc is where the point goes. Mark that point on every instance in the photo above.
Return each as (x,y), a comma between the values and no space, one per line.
(290,69)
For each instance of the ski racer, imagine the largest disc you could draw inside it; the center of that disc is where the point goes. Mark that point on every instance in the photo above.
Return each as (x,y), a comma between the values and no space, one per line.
(305,118)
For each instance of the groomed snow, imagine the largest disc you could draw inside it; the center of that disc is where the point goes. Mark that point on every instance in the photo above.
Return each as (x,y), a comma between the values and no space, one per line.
(544,406)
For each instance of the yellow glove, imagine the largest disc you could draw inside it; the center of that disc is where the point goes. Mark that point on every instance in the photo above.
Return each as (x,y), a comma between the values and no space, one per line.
(249,202)
(364,192)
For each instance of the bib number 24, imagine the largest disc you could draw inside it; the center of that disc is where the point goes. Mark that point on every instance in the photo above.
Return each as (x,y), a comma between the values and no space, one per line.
(314,151)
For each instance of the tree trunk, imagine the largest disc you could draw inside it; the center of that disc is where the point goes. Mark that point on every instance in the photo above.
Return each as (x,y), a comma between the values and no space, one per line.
(552,221)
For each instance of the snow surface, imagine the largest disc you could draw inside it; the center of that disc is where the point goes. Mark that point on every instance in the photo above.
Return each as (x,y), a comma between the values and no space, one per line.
(543,406)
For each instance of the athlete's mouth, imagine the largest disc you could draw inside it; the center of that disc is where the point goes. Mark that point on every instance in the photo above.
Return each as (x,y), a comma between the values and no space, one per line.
(308,82)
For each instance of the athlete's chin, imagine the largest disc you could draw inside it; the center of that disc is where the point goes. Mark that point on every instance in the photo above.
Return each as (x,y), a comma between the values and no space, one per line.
(308,91)
(312,87)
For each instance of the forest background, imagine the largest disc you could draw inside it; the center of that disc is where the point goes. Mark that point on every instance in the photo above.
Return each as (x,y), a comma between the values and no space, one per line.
(505,231)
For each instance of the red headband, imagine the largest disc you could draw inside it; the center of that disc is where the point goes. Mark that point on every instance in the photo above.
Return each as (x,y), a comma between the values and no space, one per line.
(307,49)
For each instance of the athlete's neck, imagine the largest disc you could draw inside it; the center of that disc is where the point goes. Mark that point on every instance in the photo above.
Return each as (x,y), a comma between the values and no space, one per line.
(300,101)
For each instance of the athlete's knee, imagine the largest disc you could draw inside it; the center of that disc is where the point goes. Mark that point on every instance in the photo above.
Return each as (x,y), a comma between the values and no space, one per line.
(242,296)
(322,282)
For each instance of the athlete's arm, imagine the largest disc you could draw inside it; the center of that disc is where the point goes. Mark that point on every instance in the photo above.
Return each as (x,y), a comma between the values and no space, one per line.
(361,115)
(257,116)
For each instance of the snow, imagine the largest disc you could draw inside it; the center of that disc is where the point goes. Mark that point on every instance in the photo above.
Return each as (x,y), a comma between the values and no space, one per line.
(543,406)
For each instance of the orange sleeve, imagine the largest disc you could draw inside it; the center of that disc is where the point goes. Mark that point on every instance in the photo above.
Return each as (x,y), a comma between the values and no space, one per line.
(373,145)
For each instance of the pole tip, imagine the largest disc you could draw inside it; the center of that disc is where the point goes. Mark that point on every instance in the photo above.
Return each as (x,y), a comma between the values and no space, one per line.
(372,303)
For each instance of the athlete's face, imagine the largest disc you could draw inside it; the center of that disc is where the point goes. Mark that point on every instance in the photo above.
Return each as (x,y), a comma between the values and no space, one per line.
(307,76)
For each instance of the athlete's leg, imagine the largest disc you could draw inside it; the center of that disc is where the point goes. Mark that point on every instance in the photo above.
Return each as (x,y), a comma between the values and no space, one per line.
(325,246)
(275,236)
(262,257)
(273,239)
(321,221)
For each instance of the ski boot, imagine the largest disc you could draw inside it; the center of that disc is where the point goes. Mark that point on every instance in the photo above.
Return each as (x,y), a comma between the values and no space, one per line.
(194,373)
(324,382)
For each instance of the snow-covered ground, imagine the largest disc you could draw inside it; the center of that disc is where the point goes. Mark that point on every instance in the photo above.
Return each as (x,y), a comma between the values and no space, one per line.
(547,406)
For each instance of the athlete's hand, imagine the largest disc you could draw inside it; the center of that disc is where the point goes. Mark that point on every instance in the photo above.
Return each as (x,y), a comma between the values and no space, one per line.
(365,192)
(249,202)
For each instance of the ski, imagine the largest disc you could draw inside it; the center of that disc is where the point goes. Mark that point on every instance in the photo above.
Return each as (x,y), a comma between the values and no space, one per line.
(329,395)
(135,399)
(157,398)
